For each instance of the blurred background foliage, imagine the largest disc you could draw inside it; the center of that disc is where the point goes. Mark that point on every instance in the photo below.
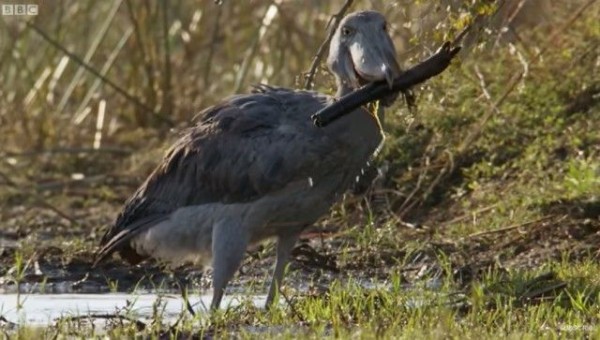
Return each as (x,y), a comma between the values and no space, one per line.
(522,100)
(498,168)
(177,57)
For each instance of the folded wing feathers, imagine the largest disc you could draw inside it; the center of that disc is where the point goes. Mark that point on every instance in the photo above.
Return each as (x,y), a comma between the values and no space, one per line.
(126,234)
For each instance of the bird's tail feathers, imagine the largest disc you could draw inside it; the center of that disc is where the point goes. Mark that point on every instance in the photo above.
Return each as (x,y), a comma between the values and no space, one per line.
(125,234)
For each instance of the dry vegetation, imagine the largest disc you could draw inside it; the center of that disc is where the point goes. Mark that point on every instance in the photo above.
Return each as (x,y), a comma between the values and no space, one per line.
(493,181)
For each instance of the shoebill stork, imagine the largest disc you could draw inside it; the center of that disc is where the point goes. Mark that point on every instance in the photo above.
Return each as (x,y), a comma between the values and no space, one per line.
(255,167)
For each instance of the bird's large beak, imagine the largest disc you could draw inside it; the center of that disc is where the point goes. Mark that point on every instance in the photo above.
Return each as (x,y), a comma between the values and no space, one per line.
(374,57)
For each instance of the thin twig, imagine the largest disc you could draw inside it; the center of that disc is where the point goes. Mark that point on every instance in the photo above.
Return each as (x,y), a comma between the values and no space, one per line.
(552,284)
(93,71)
(7,180)
(37,199)
(167,104)
(212,46)
(446,170)
(510,227)
(113,150)
(45,204)
(539,294)
(61,185)
(334,22)
(476,131)
(510,20)
(139,324)
(470,214)
(417,187)
(484,89)
(556,32)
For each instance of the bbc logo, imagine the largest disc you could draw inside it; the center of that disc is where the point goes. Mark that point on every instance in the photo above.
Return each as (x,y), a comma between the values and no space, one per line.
(10,9)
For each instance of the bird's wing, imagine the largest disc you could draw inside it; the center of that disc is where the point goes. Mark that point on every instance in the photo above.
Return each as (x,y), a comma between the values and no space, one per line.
(247,147)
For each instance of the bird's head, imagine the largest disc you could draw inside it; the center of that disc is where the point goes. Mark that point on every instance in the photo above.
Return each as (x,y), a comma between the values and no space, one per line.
(361,52)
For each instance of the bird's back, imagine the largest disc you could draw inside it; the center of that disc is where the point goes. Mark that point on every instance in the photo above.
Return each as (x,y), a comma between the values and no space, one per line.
(244,149)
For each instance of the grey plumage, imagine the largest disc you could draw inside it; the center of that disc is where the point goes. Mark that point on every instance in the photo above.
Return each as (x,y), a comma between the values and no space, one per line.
(255,167)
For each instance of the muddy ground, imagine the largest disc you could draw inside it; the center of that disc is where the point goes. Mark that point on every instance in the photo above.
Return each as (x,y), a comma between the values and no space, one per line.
(44,248)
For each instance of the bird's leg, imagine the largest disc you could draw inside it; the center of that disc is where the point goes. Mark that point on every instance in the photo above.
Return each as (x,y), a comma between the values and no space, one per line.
(229,242)
(285,244)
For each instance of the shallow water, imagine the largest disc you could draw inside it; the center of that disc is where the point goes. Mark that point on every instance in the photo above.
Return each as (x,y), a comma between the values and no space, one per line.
(44,309)
(60,300)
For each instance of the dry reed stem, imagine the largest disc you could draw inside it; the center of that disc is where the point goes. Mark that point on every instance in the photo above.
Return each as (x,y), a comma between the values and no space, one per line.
(96,73)
(334,22)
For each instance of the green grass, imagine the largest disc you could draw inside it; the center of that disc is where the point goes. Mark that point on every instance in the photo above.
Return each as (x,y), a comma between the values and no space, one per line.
(509,304)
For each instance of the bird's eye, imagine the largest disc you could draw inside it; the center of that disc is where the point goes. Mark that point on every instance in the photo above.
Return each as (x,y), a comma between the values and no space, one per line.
(385,26)
(346,31)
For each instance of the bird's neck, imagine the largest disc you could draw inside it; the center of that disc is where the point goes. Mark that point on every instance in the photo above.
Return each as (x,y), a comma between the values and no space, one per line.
(357,129)
(343,87)
(373,110)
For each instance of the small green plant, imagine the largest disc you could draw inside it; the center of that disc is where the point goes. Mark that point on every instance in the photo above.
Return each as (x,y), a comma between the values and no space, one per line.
(113,285)
(16,274)
(582,177)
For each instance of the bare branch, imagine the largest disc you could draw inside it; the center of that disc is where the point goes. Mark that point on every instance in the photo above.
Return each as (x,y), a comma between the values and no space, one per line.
(334,22)
(167,104)
(138,324)
(212,46)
